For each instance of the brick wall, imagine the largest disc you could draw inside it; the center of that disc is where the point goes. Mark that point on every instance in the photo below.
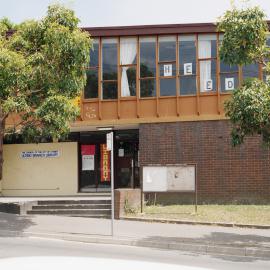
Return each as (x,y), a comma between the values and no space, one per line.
(225,173)
(130,198)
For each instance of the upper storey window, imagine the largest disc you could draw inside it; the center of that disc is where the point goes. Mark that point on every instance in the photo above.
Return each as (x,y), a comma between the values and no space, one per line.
(207,62)
(251,71)
(167,65)
(91,88)
(187,65)
(128,62)
(147,67)
(109,68)
(229,75)
(162,66)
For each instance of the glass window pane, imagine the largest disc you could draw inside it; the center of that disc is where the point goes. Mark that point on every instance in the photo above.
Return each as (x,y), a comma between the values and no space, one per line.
(187,55)
(148,88)
(251,71)
(228,82)
(109,90)
(207,75)
(167,87)
(91,88)
(109,59)
(228,68)
(167,47)
(94,54)
(207,46)
(188,85)
(128,51)
(128,81)
(167,69)
(147,57)
(268,40)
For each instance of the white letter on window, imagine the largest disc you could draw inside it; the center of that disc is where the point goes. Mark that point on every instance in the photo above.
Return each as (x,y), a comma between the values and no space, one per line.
(229,83)
(188,69)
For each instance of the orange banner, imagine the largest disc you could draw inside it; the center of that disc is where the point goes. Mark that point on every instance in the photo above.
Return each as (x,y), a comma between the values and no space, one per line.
(105,164)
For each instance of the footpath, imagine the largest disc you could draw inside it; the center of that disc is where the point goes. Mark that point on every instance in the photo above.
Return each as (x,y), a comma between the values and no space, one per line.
(213,240)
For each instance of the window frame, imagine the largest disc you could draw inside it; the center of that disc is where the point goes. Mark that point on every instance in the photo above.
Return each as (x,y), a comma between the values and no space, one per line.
(155,78)
(101,70)
(135,65)
(158,64)
(88,67)
(162,62)
(179,76)
(214,91)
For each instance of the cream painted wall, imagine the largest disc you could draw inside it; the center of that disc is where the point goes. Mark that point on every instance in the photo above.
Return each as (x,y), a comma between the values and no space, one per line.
(40,176)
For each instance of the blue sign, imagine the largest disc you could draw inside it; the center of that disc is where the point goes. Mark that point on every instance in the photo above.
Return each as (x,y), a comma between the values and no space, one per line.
(40,154)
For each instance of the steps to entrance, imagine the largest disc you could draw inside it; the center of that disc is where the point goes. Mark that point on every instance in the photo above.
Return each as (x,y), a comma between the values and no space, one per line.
(96,208)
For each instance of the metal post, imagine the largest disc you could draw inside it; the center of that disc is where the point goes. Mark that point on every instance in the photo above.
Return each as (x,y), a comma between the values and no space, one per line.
(112,186)
(196,190)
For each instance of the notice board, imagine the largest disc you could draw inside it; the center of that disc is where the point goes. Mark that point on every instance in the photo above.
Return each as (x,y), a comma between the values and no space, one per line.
(169,178)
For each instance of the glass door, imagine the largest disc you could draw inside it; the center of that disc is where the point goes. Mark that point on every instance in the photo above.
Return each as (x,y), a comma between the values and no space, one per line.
(94,163)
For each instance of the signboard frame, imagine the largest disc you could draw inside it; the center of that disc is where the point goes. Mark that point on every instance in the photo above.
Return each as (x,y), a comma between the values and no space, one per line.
(179,191)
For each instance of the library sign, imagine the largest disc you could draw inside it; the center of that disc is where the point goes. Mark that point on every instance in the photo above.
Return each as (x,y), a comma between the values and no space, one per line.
(40,154)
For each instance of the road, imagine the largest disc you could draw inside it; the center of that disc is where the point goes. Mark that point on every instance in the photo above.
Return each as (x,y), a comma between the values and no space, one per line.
(18,251)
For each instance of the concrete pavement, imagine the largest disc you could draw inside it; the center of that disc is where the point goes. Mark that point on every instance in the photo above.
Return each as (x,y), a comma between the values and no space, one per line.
(200,239)
(18,250)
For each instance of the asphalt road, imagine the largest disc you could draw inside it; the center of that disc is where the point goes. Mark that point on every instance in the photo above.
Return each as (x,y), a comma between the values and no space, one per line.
(19,252)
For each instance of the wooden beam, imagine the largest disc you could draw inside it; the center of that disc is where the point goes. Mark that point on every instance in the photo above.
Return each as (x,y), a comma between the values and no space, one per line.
(118,79)
(177,77)
(137,79)
(157,77)
(198,77)
(218,76)
(99,78)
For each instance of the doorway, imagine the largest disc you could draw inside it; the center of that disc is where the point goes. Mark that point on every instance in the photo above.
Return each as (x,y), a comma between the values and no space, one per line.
(126,159)
(94,161)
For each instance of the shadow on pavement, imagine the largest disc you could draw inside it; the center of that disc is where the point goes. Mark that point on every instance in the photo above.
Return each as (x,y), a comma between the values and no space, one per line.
(11,224)
(221,239)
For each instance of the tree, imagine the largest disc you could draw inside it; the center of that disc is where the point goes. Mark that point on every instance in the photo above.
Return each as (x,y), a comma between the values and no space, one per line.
(245,32)
(41,71)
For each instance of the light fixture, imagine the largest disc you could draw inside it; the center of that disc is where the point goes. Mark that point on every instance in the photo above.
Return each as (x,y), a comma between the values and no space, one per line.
(104,128)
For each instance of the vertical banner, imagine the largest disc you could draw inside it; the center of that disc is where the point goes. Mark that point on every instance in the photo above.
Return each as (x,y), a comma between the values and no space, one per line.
(105,164)
(88,157)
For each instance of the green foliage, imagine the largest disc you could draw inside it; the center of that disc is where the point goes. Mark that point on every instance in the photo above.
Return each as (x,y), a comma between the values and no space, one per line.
(244,35)
(249,111)
(41,71)
(5,26)
(244,43)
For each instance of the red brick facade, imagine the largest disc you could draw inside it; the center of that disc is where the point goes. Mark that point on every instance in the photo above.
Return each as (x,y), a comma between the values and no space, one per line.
(126,200)
(225,173)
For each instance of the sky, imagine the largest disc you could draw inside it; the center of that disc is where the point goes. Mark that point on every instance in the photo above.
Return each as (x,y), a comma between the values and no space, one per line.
(98,13)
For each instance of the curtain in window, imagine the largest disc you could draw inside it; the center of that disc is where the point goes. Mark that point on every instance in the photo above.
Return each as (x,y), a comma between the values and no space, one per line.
(128,50)
(205,66)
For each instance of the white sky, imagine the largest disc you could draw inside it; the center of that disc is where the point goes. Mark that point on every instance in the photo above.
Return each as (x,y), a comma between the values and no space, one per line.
(127,12)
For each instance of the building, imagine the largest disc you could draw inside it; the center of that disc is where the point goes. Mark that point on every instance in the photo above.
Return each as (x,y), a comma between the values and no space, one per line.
(161,90)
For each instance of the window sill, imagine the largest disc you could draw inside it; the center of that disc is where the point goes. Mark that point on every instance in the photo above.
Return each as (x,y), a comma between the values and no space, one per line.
(128,98)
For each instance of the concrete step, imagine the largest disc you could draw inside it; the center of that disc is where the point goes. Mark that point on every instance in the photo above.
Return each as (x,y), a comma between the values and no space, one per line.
(72,202)
(71,212)
(92,216)
(72,206)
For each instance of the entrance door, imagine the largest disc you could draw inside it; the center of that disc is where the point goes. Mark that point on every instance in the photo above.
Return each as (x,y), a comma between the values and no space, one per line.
(126,159)
(94,163)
